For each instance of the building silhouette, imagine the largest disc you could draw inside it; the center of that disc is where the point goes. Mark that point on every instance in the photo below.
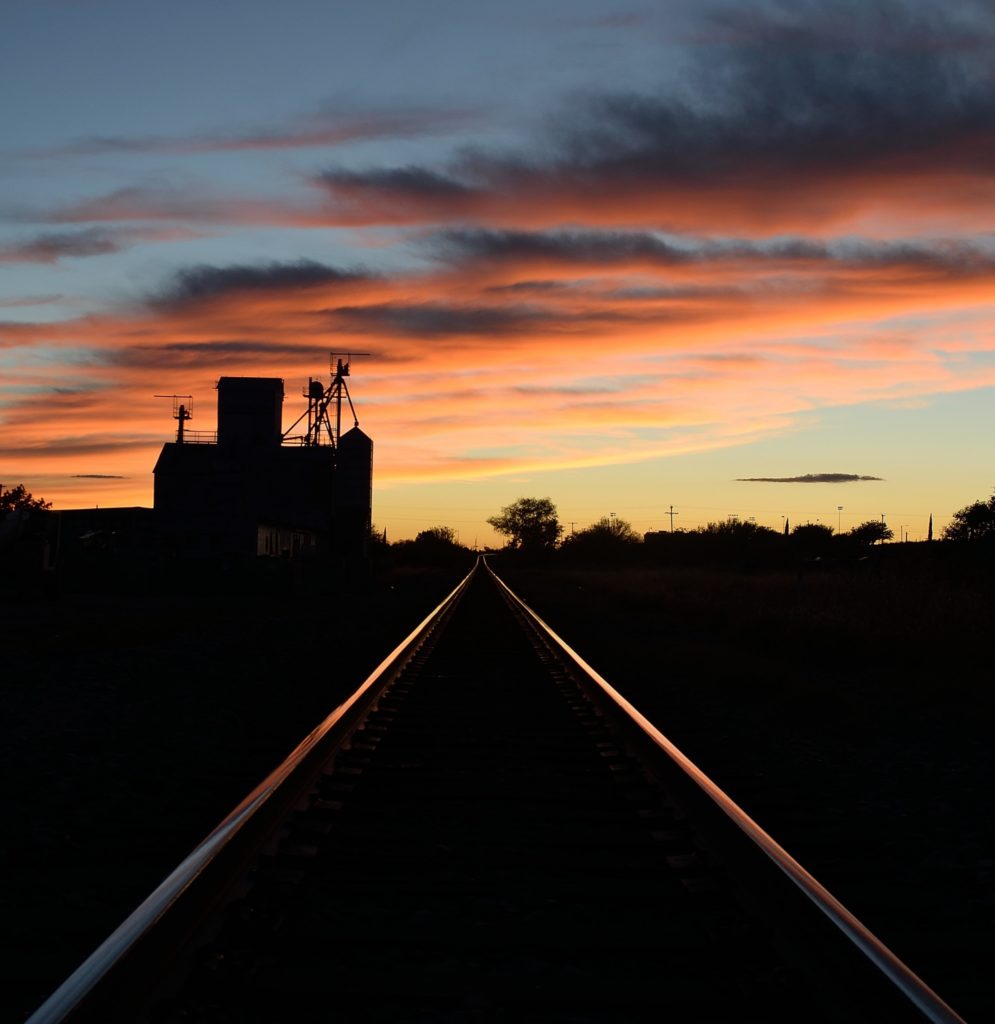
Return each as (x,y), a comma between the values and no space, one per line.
(250,489)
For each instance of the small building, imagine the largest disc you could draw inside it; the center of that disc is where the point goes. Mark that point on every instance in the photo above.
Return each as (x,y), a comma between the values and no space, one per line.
(251,490)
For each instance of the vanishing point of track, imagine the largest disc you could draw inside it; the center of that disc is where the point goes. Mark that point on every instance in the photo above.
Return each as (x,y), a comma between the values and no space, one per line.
(486,831)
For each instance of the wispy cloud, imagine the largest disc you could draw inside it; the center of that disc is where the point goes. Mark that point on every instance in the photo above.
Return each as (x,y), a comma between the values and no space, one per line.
(180,205)
(612,365)
(809,478)
(22,301)
(776,128)
(633,249)
(205,283)
(61,447)
(51,247)
(328,127)
(801,225)
(221,353)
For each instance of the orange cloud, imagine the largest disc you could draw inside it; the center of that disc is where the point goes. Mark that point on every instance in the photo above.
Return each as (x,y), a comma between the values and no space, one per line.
(471,376)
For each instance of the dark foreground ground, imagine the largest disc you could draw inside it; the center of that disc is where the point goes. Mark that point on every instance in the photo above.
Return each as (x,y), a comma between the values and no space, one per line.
(132,725)
(852,715)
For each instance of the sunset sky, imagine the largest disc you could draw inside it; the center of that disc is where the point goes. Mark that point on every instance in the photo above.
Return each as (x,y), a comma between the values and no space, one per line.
(624,256)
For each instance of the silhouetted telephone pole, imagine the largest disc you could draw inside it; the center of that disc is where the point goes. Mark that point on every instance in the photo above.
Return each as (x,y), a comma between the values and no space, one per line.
(671,513)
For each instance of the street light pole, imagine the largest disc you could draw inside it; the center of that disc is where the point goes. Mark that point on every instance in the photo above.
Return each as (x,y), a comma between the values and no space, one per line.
(839,518)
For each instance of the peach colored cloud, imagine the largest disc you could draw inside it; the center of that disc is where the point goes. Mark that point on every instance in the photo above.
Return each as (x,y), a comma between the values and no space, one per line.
(630,363)
(776,127)
(887,200)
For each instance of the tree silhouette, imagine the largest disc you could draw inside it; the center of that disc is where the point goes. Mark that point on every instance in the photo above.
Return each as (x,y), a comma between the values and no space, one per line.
(811,539)
(530,524)
(437,546)
(737,528)
(609,537)
(19,499)
(740,540)
(441,535)
(871,532)
(973,522)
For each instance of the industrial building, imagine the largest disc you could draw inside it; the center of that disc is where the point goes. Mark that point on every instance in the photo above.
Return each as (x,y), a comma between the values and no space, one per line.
(253,489)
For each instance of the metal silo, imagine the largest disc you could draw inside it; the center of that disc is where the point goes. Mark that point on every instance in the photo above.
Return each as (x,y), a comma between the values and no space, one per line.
(353,489)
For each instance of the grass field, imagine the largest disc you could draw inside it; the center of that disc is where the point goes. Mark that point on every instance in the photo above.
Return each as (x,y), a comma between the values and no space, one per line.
(133,724)
(850,713)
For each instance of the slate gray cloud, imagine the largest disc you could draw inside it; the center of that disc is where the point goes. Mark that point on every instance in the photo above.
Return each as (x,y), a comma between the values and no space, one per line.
(51,247)
(205,282)
(328,128)
(755,116)
(809,478)
(605,248)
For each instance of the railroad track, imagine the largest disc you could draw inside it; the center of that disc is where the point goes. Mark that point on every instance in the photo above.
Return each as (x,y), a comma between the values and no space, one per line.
(485,831)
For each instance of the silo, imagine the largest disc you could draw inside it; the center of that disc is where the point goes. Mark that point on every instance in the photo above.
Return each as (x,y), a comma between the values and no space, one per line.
(353,490)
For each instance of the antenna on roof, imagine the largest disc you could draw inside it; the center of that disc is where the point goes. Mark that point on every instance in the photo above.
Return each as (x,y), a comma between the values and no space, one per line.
(181,412)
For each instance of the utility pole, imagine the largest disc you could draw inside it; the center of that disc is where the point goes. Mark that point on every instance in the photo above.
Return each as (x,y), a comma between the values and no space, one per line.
(672,513)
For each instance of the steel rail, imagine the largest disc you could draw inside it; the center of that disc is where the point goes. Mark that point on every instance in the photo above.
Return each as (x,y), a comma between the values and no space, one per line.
(906,981)
(69,996)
